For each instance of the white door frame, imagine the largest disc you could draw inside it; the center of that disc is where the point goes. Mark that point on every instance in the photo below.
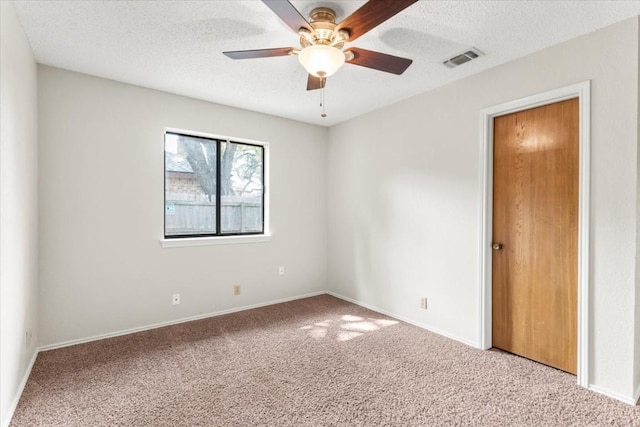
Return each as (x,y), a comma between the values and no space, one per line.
(583,92)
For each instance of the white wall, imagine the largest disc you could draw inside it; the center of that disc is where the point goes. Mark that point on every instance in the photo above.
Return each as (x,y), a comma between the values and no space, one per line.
(18,207)
(102,269)
(404,196)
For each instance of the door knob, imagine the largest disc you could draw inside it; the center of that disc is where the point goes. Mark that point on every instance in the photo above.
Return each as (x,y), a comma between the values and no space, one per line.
(497,246)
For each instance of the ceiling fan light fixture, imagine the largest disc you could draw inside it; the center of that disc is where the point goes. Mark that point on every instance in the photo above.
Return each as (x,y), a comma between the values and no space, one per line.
(321,60)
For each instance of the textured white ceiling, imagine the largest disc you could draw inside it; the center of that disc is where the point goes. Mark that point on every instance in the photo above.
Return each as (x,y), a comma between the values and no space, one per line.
(176,46)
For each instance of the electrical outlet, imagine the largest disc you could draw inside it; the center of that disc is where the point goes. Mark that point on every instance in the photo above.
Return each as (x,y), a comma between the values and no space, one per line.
(236,289)
(423,303)
(281,270)
(27,337)
(175,300)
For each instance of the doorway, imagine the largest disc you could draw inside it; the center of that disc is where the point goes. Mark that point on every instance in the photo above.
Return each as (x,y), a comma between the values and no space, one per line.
(581,93)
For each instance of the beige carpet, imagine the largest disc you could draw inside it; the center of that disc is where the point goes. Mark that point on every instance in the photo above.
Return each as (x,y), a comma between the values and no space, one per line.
(313,362)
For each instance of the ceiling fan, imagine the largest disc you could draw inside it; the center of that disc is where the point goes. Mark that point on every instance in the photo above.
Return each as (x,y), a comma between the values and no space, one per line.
(322,40)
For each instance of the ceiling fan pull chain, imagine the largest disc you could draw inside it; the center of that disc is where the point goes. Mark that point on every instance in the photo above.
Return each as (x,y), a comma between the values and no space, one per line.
(322,103)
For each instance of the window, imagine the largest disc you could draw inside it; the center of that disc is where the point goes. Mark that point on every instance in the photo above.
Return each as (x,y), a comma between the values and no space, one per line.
(194,204)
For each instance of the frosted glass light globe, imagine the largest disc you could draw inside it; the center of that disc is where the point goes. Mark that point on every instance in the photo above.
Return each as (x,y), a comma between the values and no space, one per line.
(321,60)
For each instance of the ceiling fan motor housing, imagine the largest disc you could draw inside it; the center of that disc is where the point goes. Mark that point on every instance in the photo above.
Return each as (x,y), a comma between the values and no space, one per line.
(323,22)
(322,14)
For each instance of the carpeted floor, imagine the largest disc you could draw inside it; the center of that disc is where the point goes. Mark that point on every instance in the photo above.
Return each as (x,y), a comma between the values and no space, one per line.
(313,362)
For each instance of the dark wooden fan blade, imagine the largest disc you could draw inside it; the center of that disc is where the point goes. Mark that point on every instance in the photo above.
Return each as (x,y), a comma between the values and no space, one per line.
(314,82)
(372,14)
(288,14)
(259,53)
(379,61)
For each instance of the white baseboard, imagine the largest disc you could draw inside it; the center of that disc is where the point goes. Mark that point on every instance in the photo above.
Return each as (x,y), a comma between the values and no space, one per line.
(174,322)
(405,319)
(625,399)
(9,415)
(636,395)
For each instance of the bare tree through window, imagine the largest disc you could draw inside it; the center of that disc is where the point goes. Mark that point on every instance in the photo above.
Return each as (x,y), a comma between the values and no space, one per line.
(192,193)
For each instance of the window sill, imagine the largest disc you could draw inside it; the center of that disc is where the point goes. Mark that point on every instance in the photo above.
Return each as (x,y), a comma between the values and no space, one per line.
(209,241)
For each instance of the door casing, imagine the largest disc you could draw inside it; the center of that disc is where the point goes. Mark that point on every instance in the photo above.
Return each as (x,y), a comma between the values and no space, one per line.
(582,91)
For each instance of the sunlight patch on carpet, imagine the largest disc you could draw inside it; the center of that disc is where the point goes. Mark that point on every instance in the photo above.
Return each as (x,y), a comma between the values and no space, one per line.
(351,327)
(348,335)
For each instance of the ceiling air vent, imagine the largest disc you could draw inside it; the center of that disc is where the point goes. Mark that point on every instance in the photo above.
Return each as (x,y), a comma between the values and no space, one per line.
(463,57)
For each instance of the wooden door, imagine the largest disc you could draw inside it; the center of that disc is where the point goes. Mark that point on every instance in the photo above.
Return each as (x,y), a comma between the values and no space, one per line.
(535,234)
